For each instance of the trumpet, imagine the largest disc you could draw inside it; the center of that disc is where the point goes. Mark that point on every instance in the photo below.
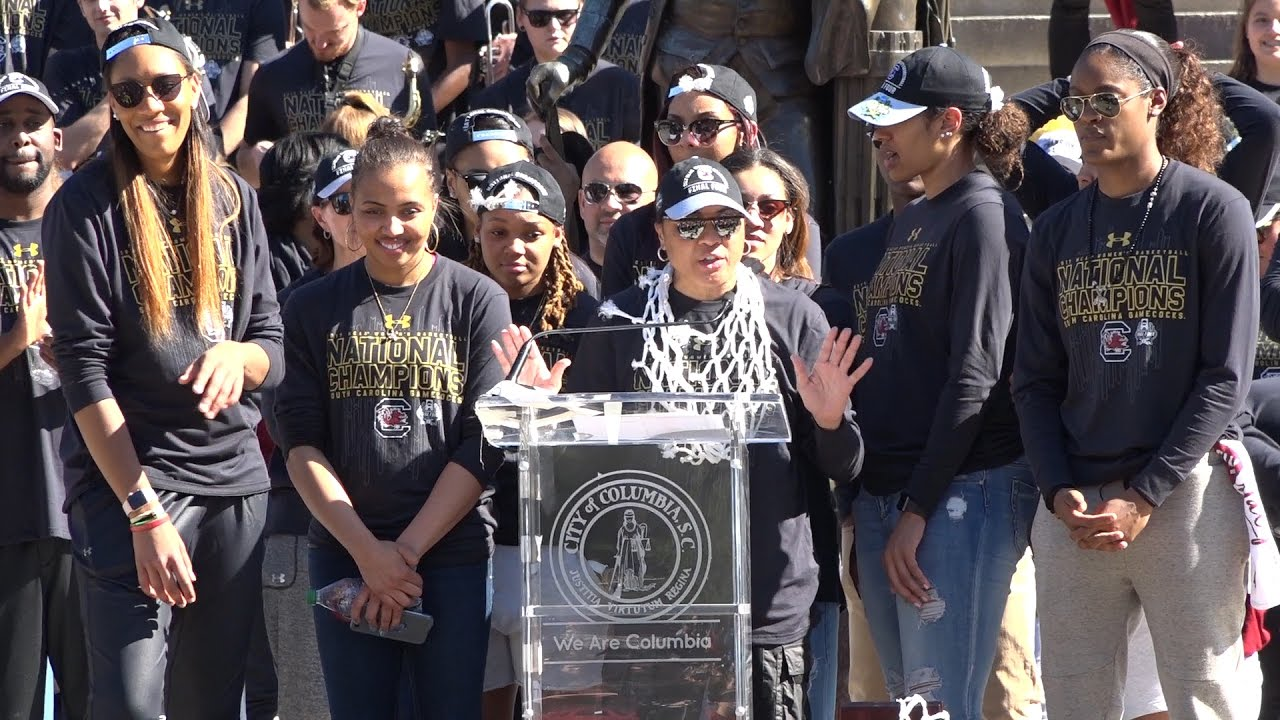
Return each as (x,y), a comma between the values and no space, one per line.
(505,28)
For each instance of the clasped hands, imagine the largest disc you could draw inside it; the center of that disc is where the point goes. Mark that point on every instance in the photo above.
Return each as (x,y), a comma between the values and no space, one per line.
(389,570)
(1112,525)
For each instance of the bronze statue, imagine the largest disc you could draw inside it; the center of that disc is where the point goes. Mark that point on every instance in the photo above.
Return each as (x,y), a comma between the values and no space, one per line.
(804,60)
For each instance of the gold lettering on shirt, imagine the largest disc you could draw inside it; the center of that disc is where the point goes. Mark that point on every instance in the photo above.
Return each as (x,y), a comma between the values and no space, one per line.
(217,34)
(900,277)
(305,110)
(400,18)
(1119,285)
(178,267)
(1121,240)
(414,364)
(13,273)
(624,51)
(859,293)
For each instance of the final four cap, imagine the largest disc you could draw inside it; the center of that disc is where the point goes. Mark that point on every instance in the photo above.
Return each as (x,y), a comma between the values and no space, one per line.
(931,77)
(716,80)
(696,183)
(333,172)
(463,131)
(502,189)
(12,84)
(147,31)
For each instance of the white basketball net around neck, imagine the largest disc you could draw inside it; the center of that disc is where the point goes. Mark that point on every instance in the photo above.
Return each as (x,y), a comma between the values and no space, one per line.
(738,359)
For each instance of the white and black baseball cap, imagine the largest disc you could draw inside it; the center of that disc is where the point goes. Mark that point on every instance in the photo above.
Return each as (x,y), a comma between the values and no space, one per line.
(503,185)
(14,83)
(696,183)
(718,81)
(466,130)
(933,77)
(333,172)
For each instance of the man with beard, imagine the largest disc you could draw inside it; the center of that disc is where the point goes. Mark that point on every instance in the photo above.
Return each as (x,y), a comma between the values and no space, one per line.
(39,613)
(295,91)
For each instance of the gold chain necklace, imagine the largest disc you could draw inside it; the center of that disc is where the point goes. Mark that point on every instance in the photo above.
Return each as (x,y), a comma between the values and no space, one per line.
(393,326)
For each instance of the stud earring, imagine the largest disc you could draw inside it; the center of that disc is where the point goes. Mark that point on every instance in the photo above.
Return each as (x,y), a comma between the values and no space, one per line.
(947,134)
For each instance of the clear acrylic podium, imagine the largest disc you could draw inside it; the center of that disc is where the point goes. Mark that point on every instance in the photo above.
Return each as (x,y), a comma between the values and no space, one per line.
(636,588)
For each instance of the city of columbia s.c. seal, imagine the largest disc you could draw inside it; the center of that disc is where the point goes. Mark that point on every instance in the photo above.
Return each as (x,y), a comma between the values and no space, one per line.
(634,546)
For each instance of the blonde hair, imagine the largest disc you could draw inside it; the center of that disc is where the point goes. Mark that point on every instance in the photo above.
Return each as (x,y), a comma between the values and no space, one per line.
(569,121)
(350,120)
(211,207)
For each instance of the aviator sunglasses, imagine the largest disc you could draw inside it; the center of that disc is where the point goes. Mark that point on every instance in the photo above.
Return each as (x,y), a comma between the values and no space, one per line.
(131,93)
(598,192)
(703,130)
(542,18)
(691,229)
(1106,104)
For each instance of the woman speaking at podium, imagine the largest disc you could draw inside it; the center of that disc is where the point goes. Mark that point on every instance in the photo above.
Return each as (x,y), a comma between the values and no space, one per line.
(777,340)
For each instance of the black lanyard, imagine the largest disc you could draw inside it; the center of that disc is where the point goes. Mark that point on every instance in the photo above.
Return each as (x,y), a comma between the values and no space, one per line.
(334,91)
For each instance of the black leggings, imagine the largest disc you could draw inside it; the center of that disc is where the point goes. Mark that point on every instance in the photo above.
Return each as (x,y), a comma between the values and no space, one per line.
(147,658)
(1069,29)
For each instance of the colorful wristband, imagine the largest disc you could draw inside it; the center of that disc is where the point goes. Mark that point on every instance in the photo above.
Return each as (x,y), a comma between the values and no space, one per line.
(153,524)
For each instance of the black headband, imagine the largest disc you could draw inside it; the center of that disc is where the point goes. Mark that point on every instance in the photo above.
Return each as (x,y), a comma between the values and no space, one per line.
(1146,54)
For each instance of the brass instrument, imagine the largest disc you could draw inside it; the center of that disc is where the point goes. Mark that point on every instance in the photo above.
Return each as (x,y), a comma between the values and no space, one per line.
(294,19)
(412,68)
(506,28)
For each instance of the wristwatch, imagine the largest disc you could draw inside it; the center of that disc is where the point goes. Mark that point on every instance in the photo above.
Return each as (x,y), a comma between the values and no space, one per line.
(138,499)
(906,504)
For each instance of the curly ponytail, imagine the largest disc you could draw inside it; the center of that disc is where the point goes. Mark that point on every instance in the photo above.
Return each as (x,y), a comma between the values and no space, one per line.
(1190,127)
(999,138)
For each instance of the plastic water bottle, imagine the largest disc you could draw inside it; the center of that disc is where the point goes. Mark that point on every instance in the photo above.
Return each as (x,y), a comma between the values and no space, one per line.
(338,597)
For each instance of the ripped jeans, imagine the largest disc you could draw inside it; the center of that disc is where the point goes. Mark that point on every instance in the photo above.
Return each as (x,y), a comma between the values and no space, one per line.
(971,546)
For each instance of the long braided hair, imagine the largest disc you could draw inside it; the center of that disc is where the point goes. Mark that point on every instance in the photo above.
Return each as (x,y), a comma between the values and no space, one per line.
(561,285)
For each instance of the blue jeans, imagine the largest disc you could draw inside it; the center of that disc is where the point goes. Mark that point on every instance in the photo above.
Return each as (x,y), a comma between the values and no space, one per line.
(971,545)
(362,673)
(824,650)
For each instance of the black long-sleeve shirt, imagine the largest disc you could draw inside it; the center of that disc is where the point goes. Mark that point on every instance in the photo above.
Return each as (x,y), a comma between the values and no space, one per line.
(851,260)
(632,249)
(784,575)
(1134,353)
(389,413)
(105,351)
(940,321)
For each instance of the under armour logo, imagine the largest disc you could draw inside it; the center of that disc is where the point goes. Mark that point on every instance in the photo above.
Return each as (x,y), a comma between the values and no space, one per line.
(391,323)
(1121,240)
(915,235)
(30,250)
(195,4)
(277,578)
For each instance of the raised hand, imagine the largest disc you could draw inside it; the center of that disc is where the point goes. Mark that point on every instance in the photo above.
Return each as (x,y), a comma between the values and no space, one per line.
(534,373)
(825,388)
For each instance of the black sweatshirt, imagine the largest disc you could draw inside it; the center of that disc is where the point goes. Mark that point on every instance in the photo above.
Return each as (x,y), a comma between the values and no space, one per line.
(1134,355)
(632,249)
(1249,167)
(34,412)
(288,93)
(606,102)
(104,350)
(526,312)
(390,413)
(822,509)
(851,260)
(230,33)
(784,576)
(936,401)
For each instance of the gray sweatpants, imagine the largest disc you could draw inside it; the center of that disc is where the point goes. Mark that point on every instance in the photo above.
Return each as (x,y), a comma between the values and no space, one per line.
(1186,571)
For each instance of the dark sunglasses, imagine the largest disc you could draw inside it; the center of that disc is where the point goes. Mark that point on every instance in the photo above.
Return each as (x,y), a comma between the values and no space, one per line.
(542,18)
(767,208)
(691,229)
(1106,104)
(475,179)
(598,192)
(340,202)
(131,93)
(704,130)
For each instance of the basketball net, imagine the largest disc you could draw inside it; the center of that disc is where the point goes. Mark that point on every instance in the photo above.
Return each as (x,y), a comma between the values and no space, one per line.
(737,358)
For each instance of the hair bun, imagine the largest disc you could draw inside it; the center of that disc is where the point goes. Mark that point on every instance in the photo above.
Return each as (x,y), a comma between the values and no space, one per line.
(386,127)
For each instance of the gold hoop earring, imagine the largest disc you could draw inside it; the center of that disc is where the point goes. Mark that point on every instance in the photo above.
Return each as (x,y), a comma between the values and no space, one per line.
(351,233)
(433,235)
